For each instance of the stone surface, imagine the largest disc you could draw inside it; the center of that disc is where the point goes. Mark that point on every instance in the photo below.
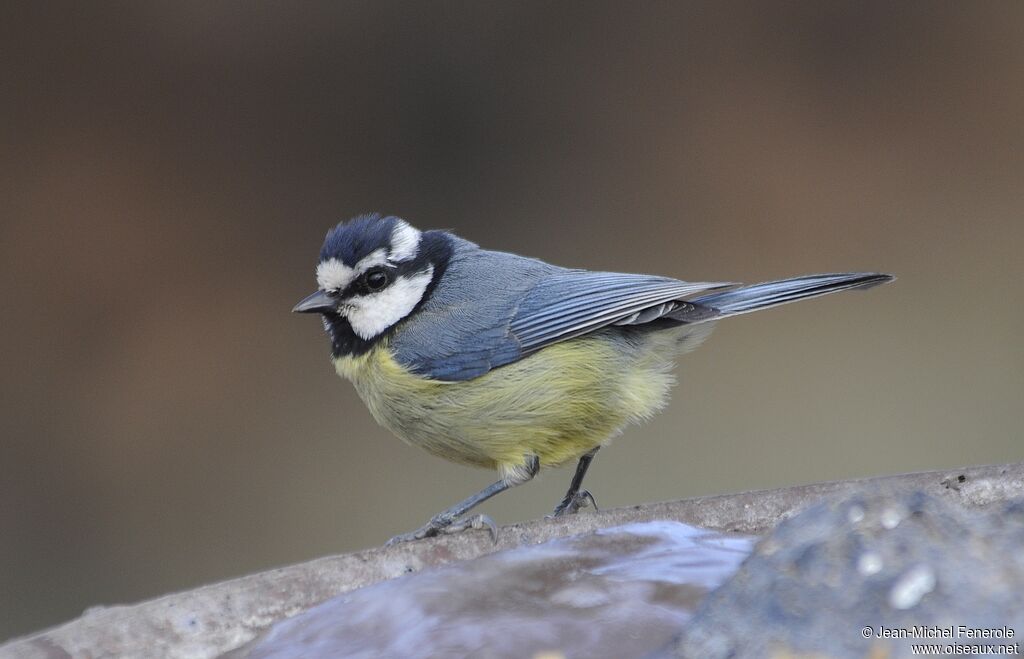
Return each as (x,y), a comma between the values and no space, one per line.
(830,581)
(211,620)
(617,592)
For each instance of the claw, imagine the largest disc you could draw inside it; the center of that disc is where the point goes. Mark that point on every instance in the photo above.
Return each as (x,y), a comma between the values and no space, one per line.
(474,522)
(443,521)
(442,525)
(572,505)
(418,534)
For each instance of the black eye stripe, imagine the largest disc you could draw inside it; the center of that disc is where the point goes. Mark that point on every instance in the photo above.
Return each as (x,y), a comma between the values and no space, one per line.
(362,285)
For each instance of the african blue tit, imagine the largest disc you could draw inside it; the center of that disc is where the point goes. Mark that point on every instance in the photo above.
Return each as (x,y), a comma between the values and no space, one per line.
(506,362)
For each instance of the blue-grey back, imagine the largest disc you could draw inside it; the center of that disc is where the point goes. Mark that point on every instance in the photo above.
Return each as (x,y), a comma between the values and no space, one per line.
(462,330)
(492,308)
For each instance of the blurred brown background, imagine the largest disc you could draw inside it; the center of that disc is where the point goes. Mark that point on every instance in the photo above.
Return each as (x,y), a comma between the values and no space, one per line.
(168,171)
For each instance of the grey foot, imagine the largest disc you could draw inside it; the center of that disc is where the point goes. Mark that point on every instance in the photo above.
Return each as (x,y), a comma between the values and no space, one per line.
(444,526)
(571,505)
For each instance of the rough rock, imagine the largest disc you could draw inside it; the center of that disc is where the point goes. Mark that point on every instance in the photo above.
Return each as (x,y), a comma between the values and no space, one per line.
(838,578)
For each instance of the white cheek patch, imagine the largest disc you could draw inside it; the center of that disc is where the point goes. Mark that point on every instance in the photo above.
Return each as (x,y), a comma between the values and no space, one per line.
(333,275)
(371,314)
(405,241)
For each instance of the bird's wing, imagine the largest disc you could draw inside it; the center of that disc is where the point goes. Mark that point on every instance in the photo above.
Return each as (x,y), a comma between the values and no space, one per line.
(575,302)
(507,307)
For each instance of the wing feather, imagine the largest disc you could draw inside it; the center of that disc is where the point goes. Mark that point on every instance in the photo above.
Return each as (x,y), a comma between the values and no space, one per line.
(568,304)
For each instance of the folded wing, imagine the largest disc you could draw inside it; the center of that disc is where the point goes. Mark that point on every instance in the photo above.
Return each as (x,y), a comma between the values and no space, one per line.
(571,303)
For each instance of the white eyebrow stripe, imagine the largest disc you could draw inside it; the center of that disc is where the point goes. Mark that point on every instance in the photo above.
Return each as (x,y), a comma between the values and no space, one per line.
(405,242)
(376,257)
(333,275)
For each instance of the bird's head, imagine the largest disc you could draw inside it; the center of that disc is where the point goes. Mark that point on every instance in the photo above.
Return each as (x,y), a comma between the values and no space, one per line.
(373,272)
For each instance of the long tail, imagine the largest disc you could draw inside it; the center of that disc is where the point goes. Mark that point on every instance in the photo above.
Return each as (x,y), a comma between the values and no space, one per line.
(773,293)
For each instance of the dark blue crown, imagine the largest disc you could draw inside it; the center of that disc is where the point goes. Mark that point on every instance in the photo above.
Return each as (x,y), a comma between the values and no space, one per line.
(352,240)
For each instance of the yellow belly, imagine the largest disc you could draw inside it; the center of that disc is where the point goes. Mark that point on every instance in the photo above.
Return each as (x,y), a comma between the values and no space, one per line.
(556,404)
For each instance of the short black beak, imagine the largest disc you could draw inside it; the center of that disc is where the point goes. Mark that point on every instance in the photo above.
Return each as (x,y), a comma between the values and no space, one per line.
(319,302)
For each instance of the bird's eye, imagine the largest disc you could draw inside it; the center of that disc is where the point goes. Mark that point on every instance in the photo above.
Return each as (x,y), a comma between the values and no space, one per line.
(377,278)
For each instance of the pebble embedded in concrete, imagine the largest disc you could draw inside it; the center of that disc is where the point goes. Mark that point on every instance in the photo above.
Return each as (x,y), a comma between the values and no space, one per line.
(911,587)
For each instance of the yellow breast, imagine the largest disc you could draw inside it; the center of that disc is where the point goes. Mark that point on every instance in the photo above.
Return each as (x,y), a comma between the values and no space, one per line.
(556,404)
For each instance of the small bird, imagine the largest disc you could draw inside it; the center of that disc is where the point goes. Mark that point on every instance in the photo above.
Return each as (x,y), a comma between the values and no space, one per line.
(505,362)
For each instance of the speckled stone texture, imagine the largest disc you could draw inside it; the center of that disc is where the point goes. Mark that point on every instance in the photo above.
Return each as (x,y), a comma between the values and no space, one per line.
(831,580)
(208,621)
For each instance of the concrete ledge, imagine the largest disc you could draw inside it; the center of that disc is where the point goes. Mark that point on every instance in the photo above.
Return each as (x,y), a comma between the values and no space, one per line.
(213,619)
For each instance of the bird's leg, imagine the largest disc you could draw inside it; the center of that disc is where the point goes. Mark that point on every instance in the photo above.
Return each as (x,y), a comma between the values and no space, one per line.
(448,520)
(576,498)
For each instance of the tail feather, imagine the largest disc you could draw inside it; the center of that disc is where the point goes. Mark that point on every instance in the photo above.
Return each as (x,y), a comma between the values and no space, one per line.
(773,293)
